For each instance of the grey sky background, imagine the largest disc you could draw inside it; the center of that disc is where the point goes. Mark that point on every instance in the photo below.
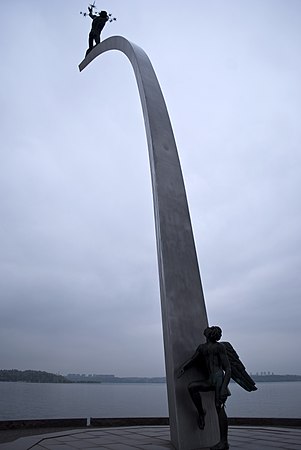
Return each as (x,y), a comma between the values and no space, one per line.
(78,271)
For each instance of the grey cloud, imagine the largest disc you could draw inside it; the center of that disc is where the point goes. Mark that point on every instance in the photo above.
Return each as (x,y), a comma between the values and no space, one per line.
(78,272)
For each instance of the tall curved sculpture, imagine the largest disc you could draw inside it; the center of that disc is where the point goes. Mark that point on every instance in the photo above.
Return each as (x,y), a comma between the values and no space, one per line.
(182,301)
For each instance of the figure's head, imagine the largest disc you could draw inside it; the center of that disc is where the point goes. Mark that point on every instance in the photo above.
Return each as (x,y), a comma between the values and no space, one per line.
(103,14)
(213,334)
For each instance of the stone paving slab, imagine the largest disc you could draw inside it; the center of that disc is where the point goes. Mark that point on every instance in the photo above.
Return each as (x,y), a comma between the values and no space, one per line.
(154,438)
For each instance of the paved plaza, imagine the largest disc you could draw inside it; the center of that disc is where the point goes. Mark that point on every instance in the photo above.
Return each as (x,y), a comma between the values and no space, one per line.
(153,438)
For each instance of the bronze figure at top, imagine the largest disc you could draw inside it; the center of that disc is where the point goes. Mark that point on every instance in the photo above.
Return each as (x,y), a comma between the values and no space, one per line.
(220,362)
(98,22)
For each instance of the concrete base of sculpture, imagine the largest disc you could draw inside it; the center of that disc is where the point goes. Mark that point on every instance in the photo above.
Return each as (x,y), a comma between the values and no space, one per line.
(182,302)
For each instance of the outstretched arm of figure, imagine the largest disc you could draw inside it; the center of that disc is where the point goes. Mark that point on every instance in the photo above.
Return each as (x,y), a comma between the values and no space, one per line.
(187,364)
(91,13)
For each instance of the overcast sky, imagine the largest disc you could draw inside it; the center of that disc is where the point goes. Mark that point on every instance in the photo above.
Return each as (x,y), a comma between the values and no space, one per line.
(79,284)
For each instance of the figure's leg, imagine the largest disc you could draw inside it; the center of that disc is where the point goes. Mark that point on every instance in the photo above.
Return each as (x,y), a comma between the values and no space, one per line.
(223,425)
(197,400)
(195,389)
(223,428)
(91,42)
(97,39)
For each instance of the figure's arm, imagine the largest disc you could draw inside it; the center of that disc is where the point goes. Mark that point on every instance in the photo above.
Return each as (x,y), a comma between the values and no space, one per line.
(91,13)
(187,364)
(227,374)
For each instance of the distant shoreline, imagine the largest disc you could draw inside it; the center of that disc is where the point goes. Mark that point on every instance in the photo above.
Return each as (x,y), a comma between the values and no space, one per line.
(77,378)
(34,376)
(275,378)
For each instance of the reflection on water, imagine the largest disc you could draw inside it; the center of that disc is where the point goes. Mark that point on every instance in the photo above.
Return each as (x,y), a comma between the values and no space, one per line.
(39,401)
(270,400)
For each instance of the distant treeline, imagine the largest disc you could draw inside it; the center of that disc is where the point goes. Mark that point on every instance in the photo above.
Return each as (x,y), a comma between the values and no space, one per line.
(83,378)
(99,378)
(31,376)
(273,377)
(36,376)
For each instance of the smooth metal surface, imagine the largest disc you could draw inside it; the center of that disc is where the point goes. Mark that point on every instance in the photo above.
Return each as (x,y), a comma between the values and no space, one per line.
(182,302)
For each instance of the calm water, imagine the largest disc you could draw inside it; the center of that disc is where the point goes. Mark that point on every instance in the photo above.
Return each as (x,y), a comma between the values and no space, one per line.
(39,401)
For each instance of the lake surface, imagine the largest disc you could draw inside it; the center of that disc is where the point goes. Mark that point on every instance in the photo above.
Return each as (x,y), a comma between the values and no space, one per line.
(44,401)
